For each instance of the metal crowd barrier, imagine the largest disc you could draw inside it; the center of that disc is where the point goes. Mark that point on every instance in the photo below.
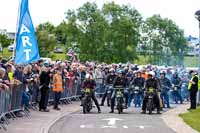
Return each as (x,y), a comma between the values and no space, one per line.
(71,92)
(100,87)
(11,100)
(10,103)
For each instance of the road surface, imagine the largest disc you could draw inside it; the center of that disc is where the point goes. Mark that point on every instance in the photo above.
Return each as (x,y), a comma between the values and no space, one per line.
(131,121)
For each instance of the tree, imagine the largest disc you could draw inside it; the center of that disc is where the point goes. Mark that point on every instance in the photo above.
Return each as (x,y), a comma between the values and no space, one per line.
(46,27)
(124,32)
(93,31)
(46,43)
(108,35)
(68,31)
(5,41)
(162,39)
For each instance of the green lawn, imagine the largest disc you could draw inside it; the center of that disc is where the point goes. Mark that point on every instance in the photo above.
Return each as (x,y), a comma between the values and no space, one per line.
(192,118)
(61,56)
(6,53)
(191,61)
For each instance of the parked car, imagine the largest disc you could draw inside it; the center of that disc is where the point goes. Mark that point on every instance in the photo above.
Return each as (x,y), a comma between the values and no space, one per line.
(46,59)
(11,47)
(58,50)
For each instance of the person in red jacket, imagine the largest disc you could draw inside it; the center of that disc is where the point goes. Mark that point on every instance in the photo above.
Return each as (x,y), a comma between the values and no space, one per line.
(89,83)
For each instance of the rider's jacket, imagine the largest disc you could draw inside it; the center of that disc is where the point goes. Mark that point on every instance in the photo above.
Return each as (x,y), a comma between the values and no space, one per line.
(151,83)
(166,84)
(110,79)
(139,82)
(176,81)
(90,84)
(119,82)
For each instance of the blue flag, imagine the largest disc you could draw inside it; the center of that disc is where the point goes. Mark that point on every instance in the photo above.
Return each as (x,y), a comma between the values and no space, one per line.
(26,50)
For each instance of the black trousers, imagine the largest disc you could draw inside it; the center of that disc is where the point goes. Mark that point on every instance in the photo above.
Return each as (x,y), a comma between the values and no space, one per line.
(193,100)
(105,96)
(95,101)
(57,96)
(44,97)
(155,99)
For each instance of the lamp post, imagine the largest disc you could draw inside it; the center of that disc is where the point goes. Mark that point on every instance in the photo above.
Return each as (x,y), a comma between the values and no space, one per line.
(197,16)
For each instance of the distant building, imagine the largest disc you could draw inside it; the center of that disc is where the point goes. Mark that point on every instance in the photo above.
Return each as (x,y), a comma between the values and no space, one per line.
(11,35)
(3,31)
(193,47)
(193,44)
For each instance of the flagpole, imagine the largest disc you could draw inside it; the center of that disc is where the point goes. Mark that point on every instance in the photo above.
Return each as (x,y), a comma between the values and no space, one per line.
(17,25)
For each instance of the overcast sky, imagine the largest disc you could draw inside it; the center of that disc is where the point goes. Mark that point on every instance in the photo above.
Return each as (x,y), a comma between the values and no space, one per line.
(180,11)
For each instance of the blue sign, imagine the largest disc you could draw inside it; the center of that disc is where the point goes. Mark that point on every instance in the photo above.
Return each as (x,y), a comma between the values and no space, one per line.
(26,50)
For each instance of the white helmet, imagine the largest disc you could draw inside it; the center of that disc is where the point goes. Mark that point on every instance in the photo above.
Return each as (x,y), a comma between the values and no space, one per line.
(87,76)
(152,73)
(112,70)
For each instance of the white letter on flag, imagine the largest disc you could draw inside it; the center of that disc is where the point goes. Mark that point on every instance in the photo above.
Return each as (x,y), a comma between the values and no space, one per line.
(24,29)
(25,40)
(27,51)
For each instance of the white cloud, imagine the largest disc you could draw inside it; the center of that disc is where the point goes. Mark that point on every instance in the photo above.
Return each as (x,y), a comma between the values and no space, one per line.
(180,11)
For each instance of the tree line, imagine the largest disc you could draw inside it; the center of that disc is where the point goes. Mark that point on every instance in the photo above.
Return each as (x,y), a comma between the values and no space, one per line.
(114,33)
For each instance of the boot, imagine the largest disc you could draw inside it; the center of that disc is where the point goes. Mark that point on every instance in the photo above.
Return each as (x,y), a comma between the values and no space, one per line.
(158,111)
(112,111)
(143,112)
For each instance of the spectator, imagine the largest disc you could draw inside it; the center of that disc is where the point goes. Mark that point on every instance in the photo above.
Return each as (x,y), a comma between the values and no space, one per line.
(18,74)
(44,88)
(70,81)
(98,78)
(193,89)
(57,88)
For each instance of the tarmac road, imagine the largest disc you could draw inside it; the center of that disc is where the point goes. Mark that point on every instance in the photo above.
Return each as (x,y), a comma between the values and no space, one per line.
(131,121)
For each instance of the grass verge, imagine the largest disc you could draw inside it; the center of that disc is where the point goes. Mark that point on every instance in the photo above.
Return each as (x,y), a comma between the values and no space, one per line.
(192,118)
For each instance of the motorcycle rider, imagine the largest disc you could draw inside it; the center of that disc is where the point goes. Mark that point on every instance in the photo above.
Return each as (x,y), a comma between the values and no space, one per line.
(137,82)
(176,83)
(166,86)
(151,82)
(109,81)
(90,83)
(118,81)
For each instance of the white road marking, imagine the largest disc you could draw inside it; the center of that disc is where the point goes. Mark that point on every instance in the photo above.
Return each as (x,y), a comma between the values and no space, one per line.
(112,126)
(112,121)
(125,126)
(141,127)
(82,126)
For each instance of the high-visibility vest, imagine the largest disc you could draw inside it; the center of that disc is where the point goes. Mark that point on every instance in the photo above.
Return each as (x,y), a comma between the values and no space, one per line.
(57,83)
(190,84)
(11,76)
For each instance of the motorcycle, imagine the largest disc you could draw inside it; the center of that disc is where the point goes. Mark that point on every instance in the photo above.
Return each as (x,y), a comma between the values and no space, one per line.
(87,101)
(184,91)
(136,93)
(109,94)
(176,91)
(120,99)
(150,103)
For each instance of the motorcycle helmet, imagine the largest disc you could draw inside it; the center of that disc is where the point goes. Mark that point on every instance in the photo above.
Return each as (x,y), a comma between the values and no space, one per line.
(112,70)
(151,73)
(162,72)
(46,63)
(119,72)
(87,76)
